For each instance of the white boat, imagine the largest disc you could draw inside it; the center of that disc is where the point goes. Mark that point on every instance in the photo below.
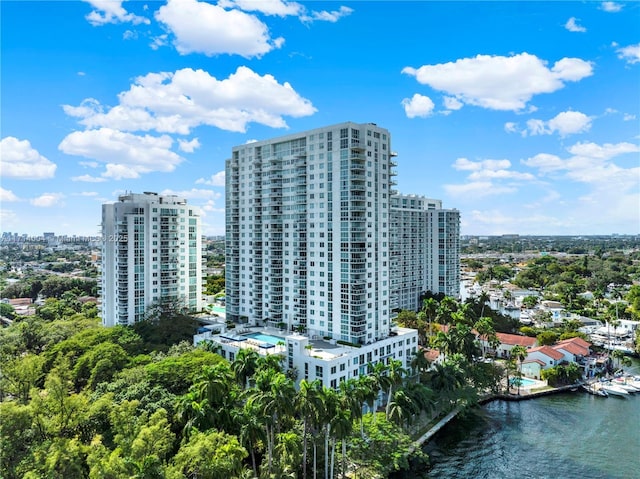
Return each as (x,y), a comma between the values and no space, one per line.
(626,385)
(614,390)
(593,390)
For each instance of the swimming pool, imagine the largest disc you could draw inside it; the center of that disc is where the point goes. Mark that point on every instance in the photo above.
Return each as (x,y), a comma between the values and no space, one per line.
(267,338)
(218,309)
(524,382)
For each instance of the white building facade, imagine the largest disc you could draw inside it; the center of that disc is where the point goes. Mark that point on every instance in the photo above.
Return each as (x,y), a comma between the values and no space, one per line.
(425,250)
(308,233)
(151,253)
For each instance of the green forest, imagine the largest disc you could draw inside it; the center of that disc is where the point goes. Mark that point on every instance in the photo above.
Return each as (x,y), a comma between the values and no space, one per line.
(80,400)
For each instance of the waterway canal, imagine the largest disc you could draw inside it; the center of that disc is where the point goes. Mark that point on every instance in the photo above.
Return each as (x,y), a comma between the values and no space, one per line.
(563,436)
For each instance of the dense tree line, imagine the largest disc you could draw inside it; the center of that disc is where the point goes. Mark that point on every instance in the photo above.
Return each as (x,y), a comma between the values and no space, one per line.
(80,400)
(51,286)
(596,245)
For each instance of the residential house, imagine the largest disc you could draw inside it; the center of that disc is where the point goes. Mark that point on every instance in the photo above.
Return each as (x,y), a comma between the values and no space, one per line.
(540,358)
(573,350)
(507,343)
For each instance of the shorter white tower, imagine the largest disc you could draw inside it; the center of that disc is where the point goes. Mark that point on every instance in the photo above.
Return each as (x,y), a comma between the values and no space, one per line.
(425,250)
(151,253)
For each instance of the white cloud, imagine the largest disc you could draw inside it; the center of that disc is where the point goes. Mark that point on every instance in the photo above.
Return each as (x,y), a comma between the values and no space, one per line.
(125,155)
(176,102)
(572,25)
(591,164)
(628,117)
(611,7)
(486,178)
(193,194)
(418,105)
(498,82)
(631,53)
(7,196)
(111,11)
(282,8)
(201,27)
(89,164)
(544,162)
(189,146)
(326,16)
(510,127)
(20,160)
(47,200)
(569,123)
(565,123)
(468,165)
(278,8)
(452,103)
(88,179)
(478,189)
(89,194)
(602,152)
(159,41)
(217,179)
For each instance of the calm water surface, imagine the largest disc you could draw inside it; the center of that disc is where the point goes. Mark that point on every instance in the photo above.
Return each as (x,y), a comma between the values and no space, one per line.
(564,436)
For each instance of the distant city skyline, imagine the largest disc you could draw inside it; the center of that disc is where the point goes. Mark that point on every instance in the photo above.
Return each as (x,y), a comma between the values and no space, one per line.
(522,115)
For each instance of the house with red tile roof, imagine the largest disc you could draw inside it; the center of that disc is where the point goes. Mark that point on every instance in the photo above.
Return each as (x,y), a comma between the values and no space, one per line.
(507,342)
(546,354)
(573,349)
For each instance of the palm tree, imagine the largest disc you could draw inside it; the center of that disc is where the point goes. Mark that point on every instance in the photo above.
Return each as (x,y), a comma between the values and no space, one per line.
(341,427)
(395,373)
(378,372)
(445,343)
(520,353)
(330,406)
(463,341)
(244,365)
(270,361)
(430,309)
(466,314)
(402,408)
(350,409)
(274,397)
(446,307)
(420,363)
(421,395)
(251,430)
(483,298)
(215,385)
(308,405)
(189,412)
(485,329)
(445,378)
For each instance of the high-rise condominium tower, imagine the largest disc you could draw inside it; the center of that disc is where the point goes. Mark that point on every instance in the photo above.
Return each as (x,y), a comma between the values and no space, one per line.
(151,254)
(425,250)
(308,232)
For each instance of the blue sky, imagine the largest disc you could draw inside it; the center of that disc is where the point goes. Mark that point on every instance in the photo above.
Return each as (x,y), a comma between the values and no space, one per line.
(523,115)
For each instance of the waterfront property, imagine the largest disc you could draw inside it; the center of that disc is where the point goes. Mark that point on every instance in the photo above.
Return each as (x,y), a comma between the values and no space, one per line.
(507,343)
(310,358)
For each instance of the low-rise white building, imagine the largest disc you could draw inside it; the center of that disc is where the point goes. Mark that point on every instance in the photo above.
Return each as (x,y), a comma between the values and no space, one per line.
(329,361)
